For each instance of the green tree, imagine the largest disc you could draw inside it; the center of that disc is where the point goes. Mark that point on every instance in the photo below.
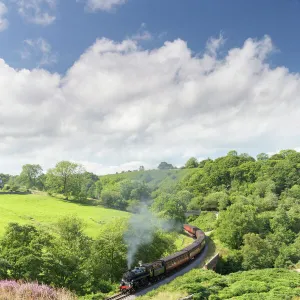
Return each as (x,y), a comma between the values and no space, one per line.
(30,175)
(65,178)
(257,253)
(165,166)
(65,261)
(232,153)
(236,221)
(108,253)
(262,157)
(216,201)
(111,198)
(23,248)
(170,207)
(191,163)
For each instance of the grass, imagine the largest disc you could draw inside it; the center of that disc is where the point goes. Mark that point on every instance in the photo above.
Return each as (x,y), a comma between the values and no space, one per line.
(182,241)
(43,210)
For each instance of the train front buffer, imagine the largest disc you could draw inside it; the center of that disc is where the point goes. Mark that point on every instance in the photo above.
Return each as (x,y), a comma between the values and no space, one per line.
(125,287)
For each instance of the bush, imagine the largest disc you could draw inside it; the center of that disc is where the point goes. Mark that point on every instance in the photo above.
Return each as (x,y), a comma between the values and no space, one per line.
(12,290)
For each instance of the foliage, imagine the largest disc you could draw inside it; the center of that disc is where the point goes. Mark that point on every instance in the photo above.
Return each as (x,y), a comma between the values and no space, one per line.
(192,163)
(253,206)
(165,166)
(255,284)
(13,290)
(206,221)
(66,179)
(236,221)
(30,176)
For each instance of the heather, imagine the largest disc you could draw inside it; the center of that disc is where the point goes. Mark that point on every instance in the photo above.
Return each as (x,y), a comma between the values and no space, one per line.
(14,290)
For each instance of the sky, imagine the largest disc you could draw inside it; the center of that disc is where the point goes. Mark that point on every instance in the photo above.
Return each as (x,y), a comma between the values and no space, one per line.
(115,84)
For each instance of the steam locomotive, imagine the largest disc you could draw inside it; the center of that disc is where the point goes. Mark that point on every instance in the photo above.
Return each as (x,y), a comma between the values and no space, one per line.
(148,273)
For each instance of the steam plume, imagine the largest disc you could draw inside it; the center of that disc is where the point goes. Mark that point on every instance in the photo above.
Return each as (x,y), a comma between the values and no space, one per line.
(141,229)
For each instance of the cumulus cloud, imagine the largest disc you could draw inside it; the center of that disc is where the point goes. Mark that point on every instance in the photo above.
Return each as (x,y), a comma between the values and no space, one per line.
(3,20)
(105,5)
(120,106)
(40,50)
(41,12)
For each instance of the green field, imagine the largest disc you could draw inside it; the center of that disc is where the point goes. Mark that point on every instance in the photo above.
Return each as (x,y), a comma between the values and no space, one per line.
(43,210)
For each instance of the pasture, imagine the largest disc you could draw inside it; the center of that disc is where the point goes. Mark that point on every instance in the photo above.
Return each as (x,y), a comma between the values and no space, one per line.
(43,210)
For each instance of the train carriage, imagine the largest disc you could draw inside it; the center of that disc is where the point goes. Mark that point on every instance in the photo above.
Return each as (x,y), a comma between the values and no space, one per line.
(175,260)
(151,272)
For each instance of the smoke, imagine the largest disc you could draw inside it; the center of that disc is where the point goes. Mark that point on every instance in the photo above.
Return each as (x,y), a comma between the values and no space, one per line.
(141,229)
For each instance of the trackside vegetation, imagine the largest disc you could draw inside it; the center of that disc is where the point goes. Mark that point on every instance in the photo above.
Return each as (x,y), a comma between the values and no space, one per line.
(268,284)
(249,206)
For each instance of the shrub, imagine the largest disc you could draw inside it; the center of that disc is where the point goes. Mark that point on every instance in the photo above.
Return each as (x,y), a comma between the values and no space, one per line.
(13,290)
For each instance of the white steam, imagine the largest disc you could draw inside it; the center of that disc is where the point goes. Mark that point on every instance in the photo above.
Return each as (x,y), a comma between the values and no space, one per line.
(141,229)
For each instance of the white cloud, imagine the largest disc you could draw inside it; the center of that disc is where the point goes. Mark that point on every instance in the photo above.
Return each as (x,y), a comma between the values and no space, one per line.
(142,34)
(121,106)
(3,20)
(105,5)
(40,50)
(41,12)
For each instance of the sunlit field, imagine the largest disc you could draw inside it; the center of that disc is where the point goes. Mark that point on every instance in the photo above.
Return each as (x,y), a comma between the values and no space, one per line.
(43,210)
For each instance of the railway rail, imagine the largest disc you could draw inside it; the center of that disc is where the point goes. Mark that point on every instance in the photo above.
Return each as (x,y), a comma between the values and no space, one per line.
(119,296)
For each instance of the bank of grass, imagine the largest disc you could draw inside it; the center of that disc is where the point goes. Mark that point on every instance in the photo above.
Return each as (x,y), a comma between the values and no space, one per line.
(263,284)
(182,241)
(42,210)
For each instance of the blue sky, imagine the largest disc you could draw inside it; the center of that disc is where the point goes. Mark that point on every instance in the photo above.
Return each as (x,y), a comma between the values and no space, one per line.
(115,84)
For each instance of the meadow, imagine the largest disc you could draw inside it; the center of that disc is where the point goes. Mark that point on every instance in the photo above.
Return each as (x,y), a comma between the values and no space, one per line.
(43,210)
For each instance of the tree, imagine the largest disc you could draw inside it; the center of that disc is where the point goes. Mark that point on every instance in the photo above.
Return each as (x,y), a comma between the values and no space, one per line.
(30,174)
(65,178)
(192,163)
(202,163)
(262,157)
(4,178)
(108,253)
(142,168)
(112,199)
(170,207)
(216,201)
(165,166)
(236,221)
(232,153)
(257,253)
(288,152)
(23,248)
(65,260)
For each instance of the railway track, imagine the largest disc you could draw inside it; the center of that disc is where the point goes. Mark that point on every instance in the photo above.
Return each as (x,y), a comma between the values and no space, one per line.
(119,297)
(171,264)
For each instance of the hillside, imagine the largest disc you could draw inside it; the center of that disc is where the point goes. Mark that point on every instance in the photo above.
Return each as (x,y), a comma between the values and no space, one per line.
(250,207)
(43,210)
(275,284)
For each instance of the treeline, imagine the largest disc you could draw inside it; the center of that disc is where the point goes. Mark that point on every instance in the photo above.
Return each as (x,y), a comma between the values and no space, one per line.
(68,179)
(64,256)
(258,206)
(257,200)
